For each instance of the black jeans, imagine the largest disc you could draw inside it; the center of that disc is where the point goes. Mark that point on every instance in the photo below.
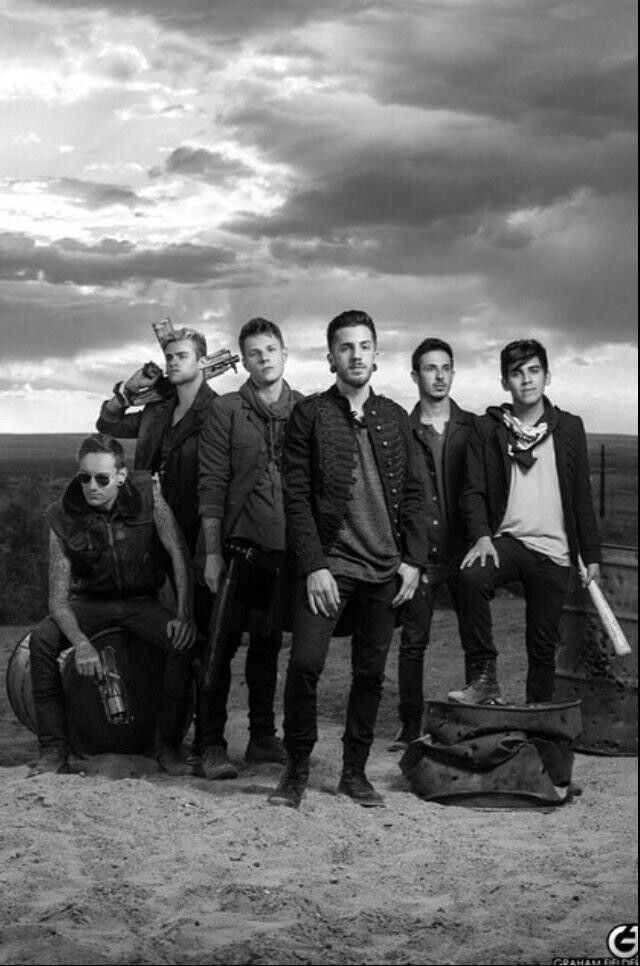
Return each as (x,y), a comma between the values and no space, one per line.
(417,615)
(256,609)
(261,675)
(145,619)
(545,586)
(374,625)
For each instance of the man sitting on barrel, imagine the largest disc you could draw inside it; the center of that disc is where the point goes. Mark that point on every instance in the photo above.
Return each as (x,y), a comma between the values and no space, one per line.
(105,570)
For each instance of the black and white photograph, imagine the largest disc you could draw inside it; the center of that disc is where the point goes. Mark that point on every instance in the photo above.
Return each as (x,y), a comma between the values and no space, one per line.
(318,482)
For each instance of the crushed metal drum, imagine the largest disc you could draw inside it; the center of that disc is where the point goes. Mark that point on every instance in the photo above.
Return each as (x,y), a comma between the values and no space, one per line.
(587,668)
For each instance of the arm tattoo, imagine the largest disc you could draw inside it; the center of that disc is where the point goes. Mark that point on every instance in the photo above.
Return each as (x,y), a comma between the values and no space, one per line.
(174,543)
(211,527)
(59,587)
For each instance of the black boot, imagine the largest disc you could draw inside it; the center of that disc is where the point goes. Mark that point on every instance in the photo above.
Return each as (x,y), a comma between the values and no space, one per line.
(357,786)
(293,781)
(483,689)
(409,731)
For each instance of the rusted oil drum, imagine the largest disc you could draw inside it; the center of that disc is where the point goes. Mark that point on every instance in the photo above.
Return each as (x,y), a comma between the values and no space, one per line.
(122,722)
(587,667)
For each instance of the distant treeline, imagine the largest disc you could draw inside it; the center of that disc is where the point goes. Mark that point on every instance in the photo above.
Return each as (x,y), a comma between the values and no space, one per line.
(34,470)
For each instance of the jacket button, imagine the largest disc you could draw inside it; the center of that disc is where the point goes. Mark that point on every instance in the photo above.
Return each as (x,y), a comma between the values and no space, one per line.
(378,428)
(436,523)
(384,442)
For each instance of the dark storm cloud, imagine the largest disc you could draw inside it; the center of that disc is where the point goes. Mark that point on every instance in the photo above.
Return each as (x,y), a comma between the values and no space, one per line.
(467,181)
(110,262)
(227,19)
(95,194)
(554,66)
(57,322)
(201,164)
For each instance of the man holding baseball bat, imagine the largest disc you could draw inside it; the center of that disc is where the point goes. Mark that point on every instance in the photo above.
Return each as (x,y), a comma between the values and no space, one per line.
(528,508)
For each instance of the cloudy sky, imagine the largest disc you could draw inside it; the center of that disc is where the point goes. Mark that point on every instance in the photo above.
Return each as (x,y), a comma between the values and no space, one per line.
(461,168)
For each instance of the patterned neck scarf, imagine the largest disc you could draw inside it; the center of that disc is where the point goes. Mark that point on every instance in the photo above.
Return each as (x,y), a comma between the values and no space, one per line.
(522,438)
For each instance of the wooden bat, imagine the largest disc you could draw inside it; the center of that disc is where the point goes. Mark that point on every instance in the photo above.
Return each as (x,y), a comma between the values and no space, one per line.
(607,618)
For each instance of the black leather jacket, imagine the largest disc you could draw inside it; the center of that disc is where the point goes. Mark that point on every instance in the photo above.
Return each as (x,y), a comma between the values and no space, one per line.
(179,469)
(453,472)
(318,461)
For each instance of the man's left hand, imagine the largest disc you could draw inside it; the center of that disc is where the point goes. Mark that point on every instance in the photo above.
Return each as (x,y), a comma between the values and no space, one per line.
(181,631)
(410,577)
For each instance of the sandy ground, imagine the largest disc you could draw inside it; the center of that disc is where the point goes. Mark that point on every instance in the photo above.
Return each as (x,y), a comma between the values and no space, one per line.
(124,865)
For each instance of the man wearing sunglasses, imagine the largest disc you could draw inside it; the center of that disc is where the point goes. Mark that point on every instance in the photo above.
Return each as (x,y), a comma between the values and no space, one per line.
(105,569)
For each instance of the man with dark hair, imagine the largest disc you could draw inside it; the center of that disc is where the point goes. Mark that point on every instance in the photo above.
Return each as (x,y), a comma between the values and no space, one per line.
(357,527)
(440,435)
(243,523)
(105,570)
(529,512)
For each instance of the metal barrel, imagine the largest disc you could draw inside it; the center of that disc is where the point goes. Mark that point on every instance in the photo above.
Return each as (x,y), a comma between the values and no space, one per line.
(587,667)
(90,730)
(18,684)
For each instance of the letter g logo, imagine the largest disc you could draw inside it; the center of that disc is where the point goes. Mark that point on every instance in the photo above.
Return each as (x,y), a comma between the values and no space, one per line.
(623,941)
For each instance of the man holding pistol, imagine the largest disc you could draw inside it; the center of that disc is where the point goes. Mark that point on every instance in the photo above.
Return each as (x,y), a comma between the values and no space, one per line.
(106,567)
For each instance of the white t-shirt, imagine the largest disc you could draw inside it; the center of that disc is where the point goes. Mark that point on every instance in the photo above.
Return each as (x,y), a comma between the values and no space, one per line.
(534,509)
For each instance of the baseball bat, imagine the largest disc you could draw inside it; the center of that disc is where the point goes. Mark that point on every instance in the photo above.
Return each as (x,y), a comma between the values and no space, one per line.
(607,618)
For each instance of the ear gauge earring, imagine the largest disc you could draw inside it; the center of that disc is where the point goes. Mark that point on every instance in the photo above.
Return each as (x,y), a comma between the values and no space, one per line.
(374,367)
(332,368)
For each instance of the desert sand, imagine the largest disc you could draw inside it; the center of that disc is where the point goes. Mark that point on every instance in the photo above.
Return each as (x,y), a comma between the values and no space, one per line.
(121,864)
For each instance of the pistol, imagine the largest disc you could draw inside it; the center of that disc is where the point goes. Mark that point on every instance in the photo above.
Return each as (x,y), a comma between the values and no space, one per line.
(112,690)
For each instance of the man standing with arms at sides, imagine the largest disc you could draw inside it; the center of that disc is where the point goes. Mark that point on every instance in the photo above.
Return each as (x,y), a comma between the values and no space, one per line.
(529,512)
(440,433)
(240,493)
(357,526)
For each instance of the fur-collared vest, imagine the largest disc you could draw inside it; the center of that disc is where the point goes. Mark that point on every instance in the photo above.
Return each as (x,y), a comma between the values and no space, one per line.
(318,463)
(112,555)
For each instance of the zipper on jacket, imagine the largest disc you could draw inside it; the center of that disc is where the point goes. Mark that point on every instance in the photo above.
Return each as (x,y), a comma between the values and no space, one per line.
(114,554)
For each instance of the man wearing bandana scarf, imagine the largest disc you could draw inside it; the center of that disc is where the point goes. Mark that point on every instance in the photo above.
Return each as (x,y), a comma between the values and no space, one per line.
(240,495)
(528,508)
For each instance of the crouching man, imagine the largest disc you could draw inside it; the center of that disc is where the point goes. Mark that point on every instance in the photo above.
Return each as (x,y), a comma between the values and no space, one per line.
(105,570)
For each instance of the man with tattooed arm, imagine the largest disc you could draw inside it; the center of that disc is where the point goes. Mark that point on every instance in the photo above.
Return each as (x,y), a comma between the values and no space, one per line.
(105,569)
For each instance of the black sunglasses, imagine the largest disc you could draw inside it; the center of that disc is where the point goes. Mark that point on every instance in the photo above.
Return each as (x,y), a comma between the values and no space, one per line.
(102,479)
